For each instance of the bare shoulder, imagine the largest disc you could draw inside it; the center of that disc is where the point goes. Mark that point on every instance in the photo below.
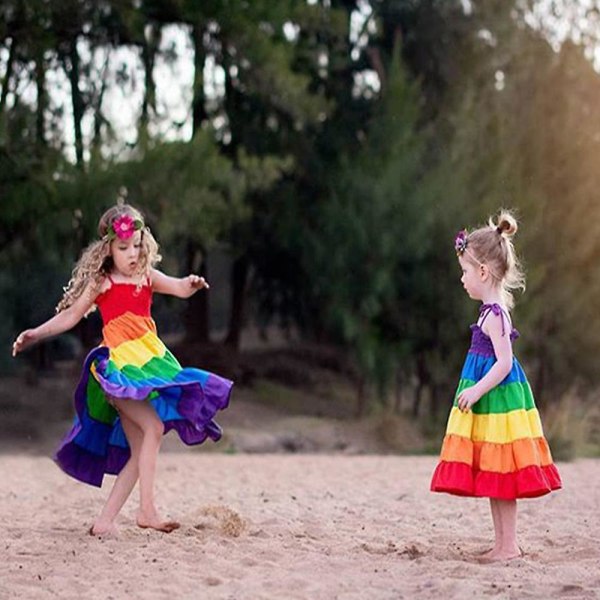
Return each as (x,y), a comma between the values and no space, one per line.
(94,288)
(104,285)
(498,322)
(85,301)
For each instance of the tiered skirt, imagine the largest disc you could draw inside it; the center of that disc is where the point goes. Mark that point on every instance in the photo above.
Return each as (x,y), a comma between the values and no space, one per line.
(497,449)
(135,364)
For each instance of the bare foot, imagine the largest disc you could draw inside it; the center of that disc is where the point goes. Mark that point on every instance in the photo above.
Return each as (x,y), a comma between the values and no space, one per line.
(500,556)
(103,529)
(155,522)
(486,553)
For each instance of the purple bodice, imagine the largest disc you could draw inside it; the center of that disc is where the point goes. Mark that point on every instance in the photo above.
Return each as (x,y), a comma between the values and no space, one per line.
(480,342)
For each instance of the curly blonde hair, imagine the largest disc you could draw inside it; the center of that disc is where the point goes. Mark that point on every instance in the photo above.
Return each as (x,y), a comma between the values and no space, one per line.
(492,245)
(96,260)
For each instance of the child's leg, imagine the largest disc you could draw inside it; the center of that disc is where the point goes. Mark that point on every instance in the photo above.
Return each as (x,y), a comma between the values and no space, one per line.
(497,528)
(508,518)
(124,483)
(146,419)
(508,547)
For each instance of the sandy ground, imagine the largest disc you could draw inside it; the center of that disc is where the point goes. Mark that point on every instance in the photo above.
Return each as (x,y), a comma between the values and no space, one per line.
(292,527)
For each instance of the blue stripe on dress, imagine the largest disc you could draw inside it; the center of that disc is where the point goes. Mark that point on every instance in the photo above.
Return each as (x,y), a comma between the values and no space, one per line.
(477,366)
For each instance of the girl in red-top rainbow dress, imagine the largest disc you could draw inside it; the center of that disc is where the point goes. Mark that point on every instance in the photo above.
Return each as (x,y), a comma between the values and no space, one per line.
(132,389)
(494,444)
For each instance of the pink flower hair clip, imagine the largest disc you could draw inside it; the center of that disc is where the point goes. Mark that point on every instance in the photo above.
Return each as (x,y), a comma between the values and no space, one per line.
(460,242)
(123,228)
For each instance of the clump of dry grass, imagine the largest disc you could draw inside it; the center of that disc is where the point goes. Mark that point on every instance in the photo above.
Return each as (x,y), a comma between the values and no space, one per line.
(227,521)
(572,426)
(400,434)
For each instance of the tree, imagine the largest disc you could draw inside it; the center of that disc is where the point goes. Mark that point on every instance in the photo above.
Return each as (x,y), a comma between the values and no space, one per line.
(361,236)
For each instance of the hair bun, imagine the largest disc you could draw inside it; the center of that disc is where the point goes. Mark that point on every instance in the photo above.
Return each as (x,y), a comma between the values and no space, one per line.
(506,224)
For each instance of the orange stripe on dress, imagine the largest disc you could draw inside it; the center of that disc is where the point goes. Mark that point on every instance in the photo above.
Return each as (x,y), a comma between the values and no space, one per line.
(126,328)
(497,458)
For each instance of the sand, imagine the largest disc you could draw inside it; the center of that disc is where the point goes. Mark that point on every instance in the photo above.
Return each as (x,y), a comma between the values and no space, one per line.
(292,527)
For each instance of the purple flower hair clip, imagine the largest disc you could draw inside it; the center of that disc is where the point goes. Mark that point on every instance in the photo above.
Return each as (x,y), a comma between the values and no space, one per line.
(460,242)
(123,228)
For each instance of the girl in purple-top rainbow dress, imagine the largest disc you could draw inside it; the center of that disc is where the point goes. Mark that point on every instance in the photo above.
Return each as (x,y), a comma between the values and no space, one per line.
(494,444)
(132,389)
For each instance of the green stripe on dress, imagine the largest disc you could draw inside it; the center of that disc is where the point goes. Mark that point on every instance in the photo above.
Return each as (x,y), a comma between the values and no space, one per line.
(501,399)
(164,367)
(98,408)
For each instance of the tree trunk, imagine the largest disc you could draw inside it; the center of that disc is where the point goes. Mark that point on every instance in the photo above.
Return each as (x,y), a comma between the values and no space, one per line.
(423,381)
(198,108)
(8,74)
(98,117)
(239,279)
(435,401)
(197,321)
(6,84)
(197,314)
(76,99)
(361,397)
(417,400)
(149,48)
(40,83)
(399,379)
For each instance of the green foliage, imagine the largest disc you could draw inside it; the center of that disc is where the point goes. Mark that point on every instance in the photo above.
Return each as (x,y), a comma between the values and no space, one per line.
(337,204)
(530,143)
(373,236)
(190,189)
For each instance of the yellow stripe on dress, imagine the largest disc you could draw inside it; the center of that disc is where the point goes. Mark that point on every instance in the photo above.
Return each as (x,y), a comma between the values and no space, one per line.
(137,353)
(496,428)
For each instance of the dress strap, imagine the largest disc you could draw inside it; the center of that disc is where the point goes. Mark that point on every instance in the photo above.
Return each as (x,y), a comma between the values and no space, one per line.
(486,309)
(110,278)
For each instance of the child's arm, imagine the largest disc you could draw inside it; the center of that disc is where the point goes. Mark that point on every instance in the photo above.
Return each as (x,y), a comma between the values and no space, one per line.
(182,287)
(495,325)
(63,321)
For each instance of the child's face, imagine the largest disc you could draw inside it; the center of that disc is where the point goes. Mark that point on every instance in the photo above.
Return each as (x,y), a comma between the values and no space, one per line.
(473,278)
(126,253)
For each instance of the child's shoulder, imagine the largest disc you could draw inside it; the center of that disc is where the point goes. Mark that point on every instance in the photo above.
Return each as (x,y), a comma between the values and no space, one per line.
(99,287)
(494,308)
(110,279)
(104,283)
(494,318)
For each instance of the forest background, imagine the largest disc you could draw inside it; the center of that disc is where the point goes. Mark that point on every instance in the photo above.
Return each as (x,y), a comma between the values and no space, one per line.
(313,160)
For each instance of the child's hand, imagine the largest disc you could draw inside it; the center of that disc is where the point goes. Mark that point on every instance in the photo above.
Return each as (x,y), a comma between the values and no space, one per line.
(24,340)
(467,398)
(197,283)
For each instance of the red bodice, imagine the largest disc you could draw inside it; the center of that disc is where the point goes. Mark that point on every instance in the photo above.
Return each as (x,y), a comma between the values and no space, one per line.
(121,298)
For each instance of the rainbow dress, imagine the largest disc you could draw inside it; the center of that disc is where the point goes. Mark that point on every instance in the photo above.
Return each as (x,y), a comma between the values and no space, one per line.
(497,449)
(132,362)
